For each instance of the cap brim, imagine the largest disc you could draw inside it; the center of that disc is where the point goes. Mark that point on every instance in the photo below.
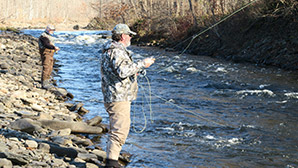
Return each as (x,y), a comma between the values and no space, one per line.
(133,33)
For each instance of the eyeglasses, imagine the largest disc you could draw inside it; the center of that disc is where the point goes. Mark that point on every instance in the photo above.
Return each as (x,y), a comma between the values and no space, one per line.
(130,35)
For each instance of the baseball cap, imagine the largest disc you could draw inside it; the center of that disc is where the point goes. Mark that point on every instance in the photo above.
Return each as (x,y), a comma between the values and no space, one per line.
(50,27)
(122,29)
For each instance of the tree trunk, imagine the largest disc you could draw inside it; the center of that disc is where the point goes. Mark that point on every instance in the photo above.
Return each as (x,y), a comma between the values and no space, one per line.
(177,7)
(182,8)
(151,8)
(134,8)
(169,5)
(143,5)
(192,13)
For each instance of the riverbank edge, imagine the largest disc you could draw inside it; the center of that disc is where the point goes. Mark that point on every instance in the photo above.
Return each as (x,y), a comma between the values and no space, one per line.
(264,34)
(40,128)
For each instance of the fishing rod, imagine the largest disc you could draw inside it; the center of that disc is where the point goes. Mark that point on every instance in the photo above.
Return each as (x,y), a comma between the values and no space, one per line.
(185,49)
(204,31)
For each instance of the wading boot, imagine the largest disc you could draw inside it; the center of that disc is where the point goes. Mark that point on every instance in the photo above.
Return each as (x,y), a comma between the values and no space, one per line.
(46,84)
(112,164)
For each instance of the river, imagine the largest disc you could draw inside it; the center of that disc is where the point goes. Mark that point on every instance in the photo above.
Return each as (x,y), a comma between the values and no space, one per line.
(201,111)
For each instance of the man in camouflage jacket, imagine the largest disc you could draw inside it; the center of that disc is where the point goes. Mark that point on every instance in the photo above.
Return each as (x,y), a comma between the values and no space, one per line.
(47,50)
(119,88)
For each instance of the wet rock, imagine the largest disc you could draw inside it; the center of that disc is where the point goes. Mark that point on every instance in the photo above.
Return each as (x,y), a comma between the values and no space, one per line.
(94,121)
(76,107)
(82,111)
(125,157)
(61,93)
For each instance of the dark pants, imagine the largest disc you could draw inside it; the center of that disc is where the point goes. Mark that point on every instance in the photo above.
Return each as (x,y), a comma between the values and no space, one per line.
(47,63)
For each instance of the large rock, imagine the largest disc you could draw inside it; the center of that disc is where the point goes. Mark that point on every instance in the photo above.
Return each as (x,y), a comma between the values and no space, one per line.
(26,125)
(76,127)
(16,159)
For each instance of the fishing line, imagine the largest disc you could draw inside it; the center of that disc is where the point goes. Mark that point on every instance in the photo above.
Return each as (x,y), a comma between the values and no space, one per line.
(145,118)
(144,100)
(185,110)
(202,32)
(166,101)
(185,49)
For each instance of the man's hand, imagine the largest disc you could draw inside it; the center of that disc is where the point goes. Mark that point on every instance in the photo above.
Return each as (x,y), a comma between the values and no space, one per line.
(149,61)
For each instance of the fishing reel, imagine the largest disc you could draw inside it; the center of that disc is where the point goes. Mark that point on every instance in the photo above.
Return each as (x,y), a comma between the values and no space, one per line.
(142,73)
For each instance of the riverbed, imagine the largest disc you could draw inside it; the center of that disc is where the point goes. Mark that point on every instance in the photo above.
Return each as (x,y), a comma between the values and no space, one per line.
(191,111)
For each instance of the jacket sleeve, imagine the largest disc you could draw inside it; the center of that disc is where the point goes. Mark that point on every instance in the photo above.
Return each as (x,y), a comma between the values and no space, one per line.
(46,43)
(123,65)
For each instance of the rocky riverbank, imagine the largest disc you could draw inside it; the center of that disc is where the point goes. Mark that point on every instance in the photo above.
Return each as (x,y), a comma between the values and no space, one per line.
(39,128)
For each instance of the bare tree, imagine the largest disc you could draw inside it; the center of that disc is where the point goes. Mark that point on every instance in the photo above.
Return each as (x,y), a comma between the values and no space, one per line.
(134,8)
(192,13)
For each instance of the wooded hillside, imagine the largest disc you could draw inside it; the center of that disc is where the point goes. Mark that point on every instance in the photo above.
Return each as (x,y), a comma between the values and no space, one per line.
(39,13)
(260,31)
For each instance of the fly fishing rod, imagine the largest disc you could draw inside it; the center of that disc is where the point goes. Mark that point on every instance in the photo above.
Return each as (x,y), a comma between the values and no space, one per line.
(185,49)
(204,31)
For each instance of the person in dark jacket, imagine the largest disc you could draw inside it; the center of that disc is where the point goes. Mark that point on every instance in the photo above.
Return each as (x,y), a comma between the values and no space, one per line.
(119,87)
(47,49)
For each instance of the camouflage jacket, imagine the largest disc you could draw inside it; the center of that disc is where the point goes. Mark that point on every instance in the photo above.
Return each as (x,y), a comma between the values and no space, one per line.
(118,73)
(46,41)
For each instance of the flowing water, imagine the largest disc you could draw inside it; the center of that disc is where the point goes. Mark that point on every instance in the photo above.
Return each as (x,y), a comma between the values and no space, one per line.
(201,112)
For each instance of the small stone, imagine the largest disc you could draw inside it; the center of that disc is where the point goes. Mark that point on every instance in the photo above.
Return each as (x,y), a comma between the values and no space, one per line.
(44,147)
(62,132)
(36,107)
(79,160)
(91,165)
(5,163)
(31,144)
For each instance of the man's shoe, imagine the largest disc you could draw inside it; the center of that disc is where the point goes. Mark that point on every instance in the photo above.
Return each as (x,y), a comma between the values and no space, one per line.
(112,164)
